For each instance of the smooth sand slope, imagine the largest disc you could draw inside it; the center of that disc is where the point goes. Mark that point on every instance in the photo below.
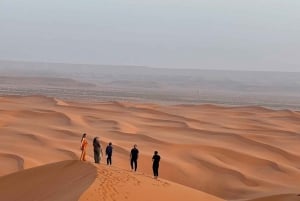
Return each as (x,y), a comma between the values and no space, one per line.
(235,153)
(64,181)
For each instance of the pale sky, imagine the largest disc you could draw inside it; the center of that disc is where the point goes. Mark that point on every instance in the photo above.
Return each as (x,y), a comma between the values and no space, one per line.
(202,34)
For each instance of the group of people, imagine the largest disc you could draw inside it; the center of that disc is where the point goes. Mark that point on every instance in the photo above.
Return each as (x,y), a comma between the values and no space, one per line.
(134,154)
(97,150)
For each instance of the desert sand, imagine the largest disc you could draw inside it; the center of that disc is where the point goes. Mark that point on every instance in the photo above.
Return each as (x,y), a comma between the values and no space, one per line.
(208,152)
(48,182)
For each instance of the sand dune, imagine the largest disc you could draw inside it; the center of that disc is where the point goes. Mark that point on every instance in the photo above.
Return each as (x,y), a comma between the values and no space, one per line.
(75,180)
(113,183)
(65,180)
(234,153)
(286,197)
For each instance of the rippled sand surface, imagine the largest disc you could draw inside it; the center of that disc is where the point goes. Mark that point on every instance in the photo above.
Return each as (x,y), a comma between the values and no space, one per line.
(207,151)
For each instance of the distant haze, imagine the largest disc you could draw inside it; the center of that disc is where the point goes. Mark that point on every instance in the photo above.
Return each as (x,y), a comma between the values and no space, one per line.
(132,83)
(203,34)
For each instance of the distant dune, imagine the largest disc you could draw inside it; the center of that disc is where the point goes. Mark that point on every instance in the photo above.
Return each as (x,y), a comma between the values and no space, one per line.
(94,83)
(39,82)
(287,197)
(233,153)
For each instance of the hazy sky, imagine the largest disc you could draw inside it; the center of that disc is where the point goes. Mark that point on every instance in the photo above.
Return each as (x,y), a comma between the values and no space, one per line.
(206,34)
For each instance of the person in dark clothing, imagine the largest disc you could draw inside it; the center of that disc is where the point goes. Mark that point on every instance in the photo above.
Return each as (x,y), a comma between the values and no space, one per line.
(97,150)
(155,166)
(134,154)
(108,153)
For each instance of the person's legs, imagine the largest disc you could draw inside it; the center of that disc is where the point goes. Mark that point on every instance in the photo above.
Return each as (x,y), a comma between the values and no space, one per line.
(155,171)
(96,156)
(135,164)
(131,163)
(153,168)
(108,160)
(83,155)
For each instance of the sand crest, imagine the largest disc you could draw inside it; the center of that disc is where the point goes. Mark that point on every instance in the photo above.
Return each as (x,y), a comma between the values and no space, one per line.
(115,184)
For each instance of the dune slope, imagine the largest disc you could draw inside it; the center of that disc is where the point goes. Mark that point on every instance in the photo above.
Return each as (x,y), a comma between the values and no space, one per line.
(61,181)
(115,184)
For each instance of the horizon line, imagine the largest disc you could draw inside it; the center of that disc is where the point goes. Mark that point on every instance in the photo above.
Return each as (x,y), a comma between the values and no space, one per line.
(143,66)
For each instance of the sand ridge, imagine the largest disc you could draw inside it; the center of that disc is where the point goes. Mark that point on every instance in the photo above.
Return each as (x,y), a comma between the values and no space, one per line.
(235,153)
(113,183)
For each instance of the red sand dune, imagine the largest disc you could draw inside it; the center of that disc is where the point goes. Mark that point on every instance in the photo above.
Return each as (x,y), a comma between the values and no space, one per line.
(113,183)
(287,197)
(65,180)
(234,153)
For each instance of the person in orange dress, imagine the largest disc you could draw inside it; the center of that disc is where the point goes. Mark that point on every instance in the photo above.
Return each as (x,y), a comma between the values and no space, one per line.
(83,147)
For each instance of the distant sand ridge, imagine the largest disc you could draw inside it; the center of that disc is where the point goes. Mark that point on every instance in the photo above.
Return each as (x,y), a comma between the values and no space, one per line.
(234,153)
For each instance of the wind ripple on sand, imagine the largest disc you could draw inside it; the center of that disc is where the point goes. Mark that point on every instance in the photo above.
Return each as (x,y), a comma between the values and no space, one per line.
(10,163)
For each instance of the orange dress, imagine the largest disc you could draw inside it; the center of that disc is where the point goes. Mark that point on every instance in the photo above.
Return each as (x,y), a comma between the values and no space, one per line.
(83,147)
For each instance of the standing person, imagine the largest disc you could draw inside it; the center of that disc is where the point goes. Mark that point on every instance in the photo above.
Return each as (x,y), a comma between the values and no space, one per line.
(155,166)
(97,150)
(134,154)
(83,147)
(108,153)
